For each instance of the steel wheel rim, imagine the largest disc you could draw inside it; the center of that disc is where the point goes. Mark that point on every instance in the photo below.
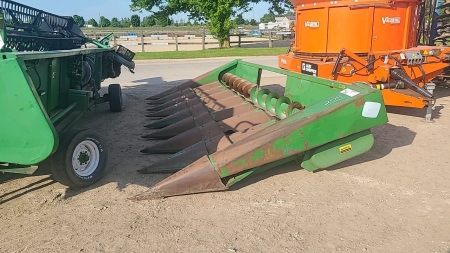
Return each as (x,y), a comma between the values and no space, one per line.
(85,158)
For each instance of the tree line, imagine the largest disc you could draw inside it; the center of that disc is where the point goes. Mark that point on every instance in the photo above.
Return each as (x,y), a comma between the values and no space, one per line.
(149,21)
(133,21)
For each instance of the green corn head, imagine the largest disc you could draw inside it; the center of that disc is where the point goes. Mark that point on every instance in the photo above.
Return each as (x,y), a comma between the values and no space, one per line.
(222,127)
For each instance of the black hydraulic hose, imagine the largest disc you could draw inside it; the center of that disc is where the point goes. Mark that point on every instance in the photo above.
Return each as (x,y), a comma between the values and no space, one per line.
(338,60)
(398,63)
(397,74)
(40,81)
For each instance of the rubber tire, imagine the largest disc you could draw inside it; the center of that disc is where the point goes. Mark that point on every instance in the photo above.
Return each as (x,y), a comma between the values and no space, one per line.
(61,161)
(115,98)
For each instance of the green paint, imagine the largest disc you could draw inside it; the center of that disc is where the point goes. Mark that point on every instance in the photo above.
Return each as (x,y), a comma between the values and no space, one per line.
(257,155)
(26,170)
(23,116)
(240,162)
(224,173)
(338,151)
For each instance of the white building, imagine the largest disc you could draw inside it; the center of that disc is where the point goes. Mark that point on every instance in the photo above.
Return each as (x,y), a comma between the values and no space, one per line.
(280,23)
(268,26)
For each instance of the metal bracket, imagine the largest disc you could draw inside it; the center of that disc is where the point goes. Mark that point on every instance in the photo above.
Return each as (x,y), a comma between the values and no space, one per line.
(430,87)
(413,58)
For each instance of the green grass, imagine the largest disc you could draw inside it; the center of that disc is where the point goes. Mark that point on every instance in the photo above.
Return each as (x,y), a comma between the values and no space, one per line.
(210,53)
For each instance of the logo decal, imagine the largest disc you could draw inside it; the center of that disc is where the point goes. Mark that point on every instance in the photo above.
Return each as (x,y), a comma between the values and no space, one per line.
(390,20)
(313,24)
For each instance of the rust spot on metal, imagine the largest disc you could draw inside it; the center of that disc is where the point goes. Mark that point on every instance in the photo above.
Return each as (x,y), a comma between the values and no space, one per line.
(244,121)
(306,144)
(360,102)
(238,84)
(200,176)
(224,103)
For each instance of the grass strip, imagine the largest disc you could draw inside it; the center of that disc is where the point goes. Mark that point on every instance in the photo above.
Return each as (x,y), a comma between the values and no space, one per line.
(210,53)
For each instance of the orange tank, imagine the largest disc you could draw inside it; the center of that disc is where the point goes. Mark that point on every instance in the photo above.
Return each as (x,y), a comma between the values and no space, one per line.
(362,26)
(365,41)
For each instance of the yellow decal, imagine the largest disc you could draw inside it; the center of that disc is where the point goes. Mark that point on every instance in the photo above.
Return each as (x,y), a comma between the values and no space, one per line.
(425,52)
(345,149)
(343,70)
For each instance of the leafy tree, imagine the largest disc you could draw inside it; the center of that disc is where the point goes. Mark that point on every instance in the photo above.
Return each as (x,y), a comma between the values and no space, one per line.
(79,20)
(239,20)
(104,22)
(115,22)
(162,20)
(216,14)
(92,22)
(149,21)
(135,20)
(126,22)
(253,22)
(269,17)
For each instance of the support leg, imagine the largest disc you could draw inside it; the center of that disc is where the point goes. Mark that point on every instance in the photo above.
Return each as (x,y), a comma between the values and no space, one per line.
(430,88)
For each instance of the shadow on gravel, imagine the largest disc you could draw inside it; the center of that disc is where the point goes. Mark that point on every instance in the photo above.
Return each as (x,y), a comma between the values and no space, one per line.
(17,193)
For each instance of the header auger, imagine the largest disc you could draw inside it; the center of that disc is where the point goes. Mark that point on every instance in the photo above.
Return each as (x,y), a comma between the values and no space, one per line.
(222,127)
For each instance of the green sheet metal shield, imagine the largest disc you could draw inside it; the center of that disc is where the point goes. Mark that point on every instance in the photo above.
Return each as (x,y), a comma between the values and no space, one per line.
(26,134)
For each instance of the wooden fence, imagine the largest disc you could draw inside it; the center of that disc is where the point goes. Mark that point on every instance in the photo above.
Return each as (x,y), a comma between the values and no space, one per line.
(175,40)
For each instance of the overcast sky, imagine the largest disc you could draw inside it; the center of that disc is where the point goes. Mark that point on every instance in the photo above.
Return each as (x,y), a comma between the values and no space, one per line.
(111,8)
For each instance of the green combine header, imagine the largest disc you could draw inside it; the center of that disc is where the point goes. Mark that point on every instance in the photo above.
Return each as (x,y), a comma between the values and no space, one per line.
(50,75)
(223,126)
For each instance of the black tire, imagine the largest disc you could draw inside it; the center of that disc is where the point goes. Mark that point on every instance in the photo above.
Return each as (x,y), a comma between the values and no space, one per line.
(63,164)
(115,98)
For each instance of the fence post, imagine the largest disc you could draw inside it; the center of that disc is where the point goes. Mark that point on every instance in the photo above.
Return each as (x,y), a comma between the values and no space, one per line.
(176,42)
(203,39)
(115,40)
(270,38)
(142,42)
(239,41)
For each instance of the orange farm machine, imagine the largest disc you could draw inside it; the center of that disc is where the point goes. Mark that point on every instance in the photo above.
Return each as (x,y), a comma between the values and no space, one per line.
(396,46)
